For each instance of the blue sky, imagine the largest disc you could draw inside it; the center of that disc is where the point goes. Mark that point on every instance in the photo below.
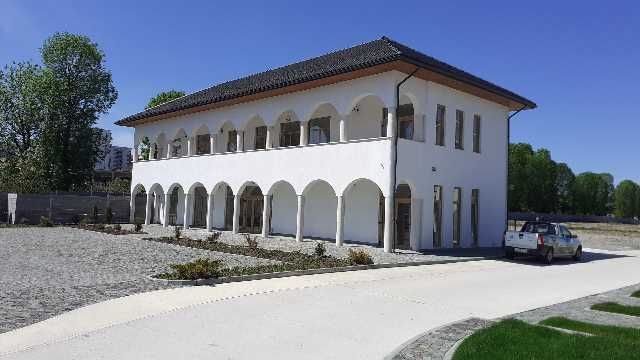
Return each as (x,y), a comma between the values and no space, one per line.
(578,60)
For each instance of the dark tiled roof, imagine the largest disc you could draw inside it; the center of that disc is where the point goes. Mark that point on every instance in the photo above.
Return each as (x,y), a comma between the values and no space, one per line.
(362,56)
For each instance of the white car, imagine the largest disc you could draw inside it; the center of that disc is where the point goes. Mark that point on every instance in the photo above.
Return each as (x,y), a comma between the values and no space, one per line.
(543,239)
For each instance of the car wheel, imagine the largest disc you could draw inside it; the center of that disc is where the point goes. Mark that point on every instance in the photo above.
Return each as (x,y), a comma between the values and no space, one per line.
(509,253)
(548,257)
(578,255)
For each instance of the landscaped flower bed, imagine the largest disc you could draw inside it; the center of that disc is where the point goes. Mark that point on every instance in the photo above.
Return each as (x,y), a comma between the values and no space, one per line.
(108,229)
(290,260)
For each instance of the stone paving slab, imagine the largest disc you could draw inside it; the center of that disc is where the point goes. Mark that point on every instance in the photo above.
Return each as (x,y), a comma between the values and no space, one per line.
(47,271)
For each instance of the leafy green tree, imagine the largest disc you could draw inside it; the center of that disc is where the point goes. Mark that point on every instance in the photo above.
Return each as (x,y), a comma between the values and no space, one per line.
(626,197)
(542,192)
(592,194)
(565,180)
(520,155)
(164,97)
(79,89)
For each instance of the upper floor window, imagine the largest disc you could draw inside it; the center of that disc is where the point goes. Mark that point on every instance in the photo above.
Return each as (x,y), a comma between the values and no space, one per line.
(290,133)
(440,125)
(232,141)
(477,122)
(405,121)
(459,130)
(260,141)
(320,130)
(203,144)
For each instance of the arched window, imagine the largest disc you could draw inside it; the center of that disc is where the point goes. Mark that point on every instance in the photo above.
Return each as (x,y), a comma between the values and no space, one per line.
(320,130)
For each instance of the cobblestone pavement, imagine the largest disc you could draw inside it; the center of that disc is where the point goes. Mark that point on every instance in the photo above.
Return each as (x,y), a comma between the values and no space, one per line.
(435,344)
(47,271)
(378,255)
(579,309)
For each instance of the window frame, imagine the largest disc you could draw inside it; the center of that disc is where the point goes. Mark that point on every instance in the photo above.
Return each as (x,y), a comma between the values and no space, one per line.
(477,132)
(459,135)
(441,123)
(292,135)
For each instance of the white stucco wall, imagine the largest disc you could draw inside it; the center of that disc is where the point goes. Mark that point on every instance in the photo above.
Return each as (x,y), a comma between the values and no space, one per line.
(284,205)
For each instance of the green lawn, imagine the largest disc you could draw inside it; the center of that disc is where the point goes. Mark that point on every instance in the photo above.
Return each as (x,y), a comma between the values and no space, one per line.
(617,308)
(636,294)
(514,339)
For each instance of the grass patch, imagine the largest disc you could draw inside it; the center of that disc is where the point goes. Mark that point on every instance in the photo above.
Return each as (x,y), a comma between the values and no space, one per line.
(636,294)
(617,308)
(515,339)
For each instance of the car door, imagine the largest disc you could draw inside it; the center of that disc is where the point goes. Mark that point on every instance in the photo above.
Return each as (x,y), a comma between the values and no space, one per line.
(553,236)
(565,240)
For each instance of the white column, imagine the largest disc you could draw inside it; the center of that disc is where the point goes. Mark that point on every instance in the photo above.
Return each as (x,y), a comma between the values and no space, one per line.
(300,219)
(265,215)
(388,224)
(239,141)
(134,154)
(212,144)
(132,208)
(340,221)
(147,215)
(391,122)
(189,146)
(269,144)
(304,133)
(210,211)
(187,210)
(169,150)
(343,128)
(236,214)
(167,199)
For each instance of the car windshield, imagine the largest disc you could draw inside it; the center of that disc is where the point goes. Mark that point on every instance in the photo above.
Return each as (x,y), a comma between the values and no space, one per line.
(540,228)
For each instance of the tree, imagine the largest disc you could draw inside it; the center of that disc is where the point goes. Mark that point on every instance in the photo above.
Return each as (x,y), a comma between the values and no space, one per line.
(79,89)
(565,180)
(164,97)
(626,197)
(542,192)
(519,158)
(592,194)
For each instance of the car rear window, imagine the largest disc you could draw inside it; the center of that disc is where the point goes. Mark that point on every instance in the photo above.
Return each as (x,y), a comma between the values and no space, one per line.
(540,228)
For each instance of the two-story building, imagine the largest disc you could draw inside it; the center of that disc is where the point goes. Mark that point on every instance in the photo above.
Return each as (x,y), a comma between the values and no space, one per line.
(377,143)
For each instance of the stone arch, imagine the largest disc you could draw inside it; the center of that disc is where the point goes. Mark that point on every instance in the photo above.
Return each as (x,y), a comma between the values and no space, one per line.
(284,207)
(255,133)
(179,143)
(365,117)
(320,206)
(363,212)
(323,124)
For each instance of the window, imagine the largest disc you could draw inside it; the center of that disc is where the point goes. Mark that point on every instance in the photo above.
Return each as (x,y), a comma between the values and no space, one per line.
(459,130)
(437,216)
(319,130)
(203,146)
(232,142)
(290,133)
(477,120)
(383,126)
(475,216)
(405,121)
(457,199)
(261,138)
(440,125)
(565,232)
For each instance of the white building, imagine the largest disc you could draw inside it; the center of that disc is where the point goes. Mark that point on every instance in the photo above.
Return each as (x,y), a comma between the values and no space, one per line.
(310,150)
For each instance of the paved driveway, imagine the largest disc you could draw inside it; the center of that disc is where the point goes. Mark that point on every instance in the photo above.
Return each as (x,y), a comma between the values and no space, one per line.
(47,271)
(358,315)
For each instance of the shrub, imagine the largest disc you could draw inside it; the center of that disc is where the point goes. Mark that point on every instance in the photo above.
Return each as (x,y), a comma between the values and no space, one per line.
(108,215)
(117,227)
(45,221)
(199,269)
(137,227)
(214,237)
(320,250)
(177,233)
(251,242)
(359,257)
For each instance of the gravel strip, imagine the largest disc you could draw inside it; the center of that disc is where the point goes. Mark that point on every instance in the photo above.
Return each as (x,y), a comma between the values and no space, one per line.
(47,271)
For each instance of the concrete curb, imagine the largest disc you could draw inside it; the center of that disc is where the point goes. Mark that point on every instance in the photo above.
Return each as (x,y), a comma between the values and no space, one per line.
(239,278)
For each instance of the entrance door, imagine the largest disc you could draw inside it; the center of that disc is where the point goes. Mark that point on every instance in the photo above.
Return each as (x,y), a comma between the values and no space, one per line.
(403,225)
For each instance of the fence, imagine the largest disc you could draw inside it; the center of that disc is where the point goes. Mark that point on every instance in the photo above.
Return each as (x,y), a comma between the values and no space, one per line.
(561,218)
(69,208)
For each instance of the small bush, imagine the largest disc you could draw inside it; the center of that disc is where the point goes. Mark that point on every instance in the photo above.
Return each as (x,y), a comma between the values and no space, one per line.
(108,215)
(84,221)
(177,233)
(117,227)
(359,257)
(45,222)
(198,269)
(214,237)
(251,242)
(320,250)
(137,227)
(99,227)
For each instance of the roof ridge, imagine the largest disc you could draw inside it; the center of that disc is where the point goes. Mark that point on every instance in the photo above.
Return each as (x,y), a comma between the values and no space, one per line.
(390,42)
